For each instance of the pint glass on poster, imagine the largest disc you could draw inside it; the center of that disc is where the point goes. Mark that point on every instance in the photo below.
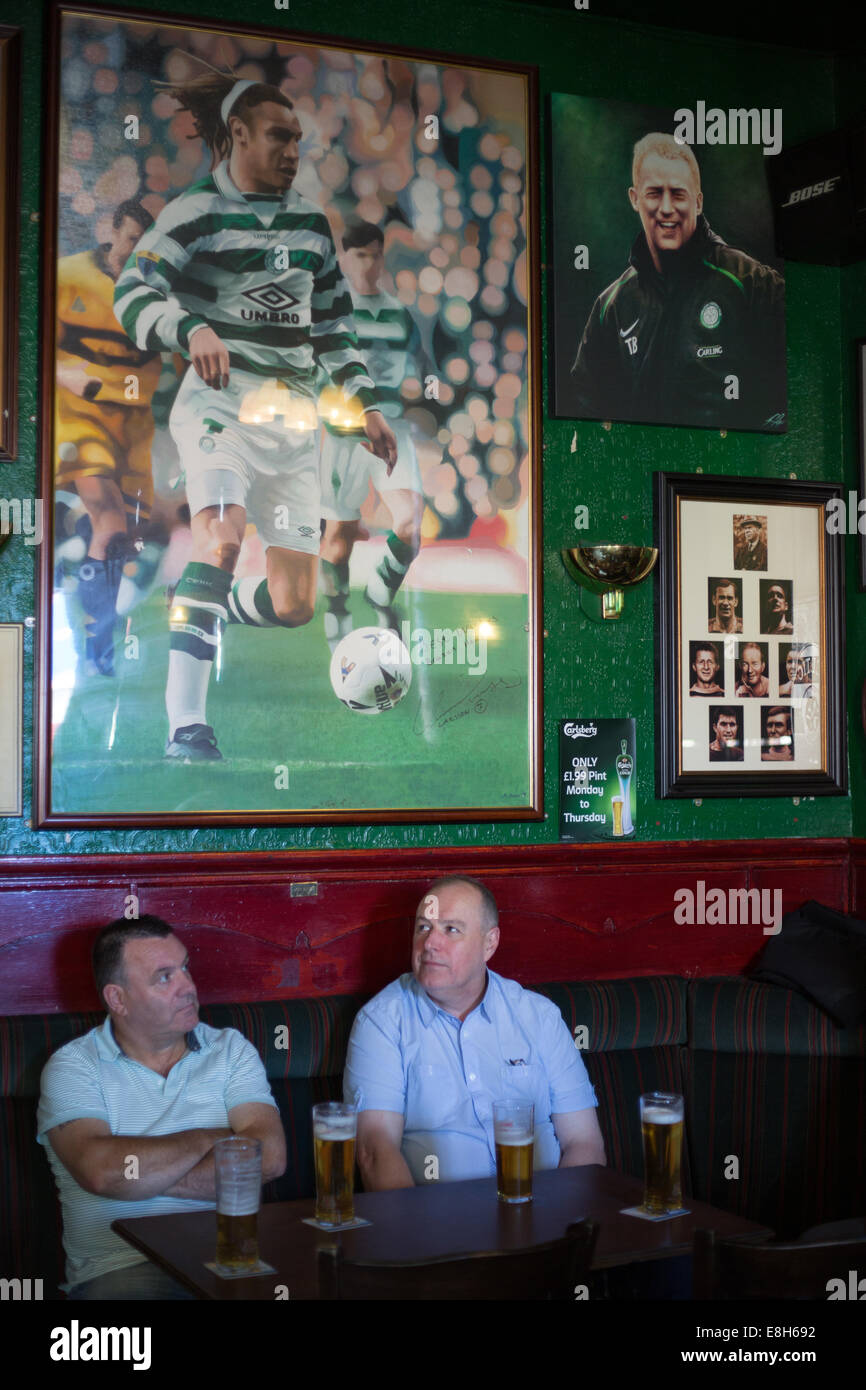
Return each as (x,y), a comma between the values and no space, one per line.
(616,803)
(238,1170)
(661,1119)
(334,1130)
(514,1137)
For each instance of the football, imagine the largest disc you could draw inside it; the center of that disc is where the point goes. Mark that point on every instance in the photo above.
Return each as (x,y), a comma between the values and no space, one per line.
(371,670)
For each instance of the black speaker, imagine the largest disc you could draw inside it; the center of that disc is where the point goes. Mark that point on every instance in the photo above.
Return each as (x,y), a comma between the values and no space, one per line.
(819,198)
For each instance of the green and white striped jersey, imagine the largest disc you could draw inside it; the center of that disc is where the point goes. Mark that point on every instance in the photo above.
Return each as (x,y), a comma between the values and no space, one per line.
(390,341)
(261,271)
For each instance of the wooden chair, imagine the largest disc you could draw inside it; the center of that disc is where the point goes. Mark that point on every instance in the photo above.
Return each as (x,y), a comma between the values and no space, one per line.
(732,1269)
(549,1271)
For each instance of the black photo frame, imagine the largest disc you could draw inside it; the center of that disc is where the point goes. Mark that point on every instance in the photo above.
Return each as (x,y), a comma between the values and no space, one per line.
(692,516)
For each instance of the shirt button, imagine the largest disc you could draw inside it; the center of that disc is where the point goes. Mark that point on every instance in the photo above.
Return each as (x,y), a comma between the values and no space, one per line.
(472,1076)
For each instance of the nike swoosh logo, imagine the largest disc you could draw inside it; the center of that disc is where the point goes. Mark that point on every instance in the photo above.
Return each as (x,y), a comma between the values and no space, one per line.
(624,332)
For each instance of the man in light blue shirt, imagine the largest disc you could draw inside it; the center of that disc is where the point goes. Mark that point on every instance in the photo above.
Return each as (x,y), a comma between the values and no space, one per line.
(430,1054)
(129,1113)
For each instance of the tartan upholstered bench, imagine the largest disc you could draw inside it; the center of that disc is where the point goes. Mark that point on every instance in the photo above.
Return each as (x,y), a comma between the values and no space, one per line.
(769,1081)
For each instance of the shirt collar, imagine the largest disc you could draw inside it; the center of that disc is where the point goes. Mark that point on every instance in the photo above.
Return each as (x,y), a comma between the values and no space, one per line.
(682,261)
(229,189)
(428,1009)
(111,1047)
(107,1041)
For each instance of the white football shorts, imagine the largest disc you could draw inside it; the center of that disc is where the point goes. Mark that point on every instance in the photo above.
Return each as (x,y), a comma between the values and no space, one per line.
(271,471)
(348,468)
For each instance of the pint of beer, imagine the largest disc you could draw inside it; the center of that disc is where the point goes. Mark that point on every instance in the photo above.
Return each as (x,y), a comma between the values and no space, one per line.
(238,1169)
(334,1130)
(514,1137)
(661,1118)
(616,803)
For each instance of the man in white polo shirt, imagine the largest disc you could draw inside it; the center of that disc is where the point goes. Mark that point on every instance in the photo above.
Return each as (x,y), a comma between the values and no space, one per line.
(154,1085)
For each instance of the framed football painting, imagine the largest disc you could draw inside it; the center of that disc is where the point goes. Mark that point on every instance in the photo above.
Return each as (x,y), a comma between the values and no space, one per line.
(750,638)
(290,432)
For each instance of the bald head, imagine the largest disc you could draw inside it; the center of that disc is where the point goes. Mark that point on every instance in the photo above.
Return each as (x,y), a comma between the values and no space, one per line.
(488,911)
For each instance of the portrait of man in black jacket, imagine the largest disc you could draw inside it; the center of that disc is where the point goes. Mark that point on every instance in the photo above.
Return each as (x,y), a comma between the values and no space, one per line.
(693,331)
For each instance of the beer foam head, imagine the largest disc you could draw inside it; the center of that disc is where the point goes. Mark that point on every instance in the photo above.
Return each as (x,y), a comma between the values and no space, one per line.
(238,1203)
(661,1115)
(332,1129)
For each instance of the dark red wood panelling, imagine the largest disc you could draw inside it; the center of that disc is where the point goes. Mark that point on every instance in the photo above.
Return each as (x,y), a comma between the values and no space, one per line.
(567,912)
(857,892)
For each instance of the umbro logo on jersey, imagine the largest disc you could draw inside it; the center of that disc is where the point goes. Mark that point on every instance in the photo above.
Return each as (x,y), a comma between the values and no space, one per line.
(624,332)
(271,297)
(273,301)
(78,306)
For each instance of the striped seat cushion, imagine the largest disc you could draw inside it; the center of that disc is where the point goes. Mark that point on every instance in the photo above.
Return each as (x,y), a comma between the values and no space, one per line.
(295,1037)
(636,1031)
(28,1040)
(734,1014)
(30,1227)
(624,1014)
(776,1095)
(302,1043)
(767,1079)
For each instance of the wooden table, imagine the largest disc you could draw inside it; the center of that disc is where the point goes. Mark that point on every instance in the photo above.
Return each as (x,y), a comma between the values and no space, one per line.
(437,1219)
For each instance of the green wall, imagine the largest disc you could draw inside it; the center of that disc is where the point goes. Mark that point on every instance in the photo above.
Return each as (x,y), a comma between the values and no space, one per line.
(588,670)
(850,103)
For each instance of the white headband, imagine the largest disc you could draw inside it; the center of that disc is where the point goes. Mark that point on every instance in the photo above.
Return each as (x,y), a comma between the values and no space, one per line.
(229,101)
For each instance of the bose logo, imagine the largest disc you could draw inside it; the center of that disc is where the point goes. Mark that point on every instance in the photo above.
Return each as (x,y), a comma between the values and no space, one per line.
(814,190)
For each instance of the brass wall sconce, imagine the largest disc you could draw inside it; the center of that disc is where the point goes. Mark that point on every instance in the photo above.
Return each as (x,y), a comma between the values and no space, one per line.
(605,571)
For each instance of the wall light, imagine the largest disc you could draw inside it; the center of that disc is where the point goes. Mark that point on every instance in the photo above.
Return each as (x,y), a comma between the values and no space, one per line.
(607,570)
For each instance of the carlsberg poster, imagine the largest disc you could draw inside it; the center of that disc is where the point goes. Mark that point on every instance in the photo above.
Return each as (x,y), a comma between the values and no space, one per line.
(597,799)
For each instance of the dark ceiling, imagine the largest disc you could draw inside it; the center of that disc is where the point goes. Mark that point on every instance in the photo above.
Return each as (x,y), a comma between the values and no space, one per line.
(831,25)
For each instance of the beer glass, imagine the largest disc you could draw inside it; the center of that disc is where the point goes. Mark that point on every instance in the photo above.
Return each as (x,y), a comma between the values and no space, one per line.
(616,804)
(238,1168)
(514,1137)
(661,1119)
(334,1130)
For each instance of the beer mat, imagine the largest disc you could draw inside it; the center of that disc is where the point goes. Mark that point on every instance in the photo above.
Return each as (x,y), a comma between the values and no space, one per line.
(651,1216)
(221,1273)
(346,1226)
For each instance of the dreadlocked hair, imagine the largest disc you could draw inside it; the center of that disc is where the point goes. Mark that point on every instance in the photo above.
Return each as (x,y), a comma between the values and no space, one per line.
(203,97)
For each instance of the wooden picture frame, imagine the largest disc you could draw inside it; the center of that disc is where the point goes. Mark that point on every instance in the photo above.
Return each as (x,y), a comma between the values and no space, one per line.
(10,164)
(441,153)
(11,717)
(860,396)
(750,638)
